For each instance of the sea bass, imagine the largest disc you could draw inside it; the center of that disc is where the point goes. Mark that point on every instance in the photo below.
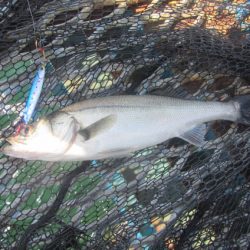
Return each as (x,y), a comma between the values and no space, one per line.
(117,126)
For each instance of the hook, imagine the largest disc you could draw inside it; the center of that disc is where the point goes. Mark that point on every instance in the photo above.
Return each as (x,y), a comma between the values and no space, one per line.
(40,49)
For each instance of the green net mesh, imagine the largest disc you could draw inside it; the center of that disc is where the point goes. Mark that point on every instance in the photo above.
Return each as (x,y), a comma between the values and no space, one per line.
(170,196)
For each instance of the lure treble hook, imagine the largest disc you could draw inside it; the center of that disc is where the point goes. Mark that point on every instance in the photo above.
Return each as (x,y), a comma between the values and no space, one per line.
(40,49)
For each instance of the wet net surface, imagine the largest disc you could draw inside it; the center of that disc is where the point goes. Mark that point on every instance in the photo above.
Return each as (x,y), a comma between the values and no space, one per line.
(170,196)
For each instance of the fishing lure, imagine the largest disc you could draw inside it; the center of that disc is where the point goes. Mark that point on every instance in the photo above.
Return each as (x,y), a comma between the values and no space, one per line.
(33,98)
(37,85)
(34,95)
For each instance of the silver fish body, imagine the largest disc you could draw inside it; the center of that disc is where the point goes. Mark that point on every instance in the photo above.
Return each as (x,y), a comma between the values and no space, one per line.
(116,126)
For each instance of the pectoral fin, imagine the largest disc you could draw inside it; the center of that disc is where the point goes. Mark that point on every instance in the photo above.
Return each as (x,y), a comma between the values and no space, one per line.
(98,127)
(196,136)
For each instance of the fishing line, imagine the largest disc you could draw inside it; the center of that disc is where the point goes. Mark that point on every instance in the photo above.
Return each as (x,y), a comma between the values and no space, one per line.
(32,17)
(40,48)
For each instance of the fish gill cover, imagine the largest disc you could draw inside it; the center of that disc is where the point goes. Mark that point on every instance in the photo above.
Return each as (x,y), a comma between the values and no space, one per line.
(170,196)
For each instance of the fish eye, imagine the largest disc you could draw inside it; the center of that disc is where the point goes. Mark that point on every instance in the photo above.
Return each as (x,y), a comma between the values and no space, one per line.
(26,130)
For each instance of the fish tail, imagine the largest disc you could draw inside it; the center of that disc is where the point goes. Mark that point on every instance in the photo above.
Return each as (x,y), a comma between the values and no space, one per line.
(243,105)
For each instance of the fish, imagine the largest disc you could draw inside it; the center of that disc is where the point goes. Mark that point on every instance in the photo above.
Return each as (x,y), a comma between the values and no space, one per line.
(34,94)
(118,126)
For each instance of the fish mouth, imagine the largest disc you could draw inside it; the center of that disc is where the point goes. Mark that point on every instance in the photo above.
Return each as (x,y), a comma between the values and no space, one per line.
(13,140)
(7,150)
(11,147)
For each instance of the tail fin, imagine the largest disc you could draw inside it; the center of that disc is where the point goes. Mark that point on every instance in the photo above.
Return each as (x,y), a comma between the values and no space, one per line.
(244,108)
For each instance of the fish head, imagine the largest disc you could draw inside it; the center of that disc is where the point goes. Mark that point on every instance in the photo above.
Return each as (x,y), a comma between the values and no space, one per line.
(33,142)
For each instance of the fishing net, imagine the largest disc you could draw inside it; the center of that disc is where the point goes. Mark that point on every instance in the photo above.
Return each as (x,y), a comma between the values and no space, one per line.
(170,196)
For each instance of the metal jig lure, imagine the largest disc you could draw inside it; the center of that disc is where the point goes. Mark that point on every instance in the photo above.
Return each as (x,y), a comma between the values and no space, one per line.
(34,94)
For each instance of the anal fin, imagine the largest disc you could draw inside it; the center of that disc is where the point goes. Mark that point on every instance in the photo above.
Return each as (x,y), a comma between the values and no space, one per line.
(196,136)
(117,153)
